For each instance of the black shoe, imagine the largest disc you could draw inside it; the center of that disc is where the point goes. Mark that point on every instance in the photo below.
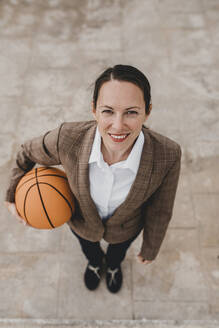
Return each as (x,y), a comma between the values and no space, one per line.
(114,279)
(92,276)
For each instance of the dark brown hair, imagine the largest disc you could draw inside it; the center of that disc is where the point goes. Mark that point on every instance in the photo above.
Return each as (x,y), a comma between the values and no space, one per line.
(124,73)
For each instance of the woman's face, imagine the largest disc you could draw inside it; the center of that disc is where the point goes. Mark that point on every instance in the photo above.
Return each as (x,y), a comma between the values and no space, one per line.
(120,114)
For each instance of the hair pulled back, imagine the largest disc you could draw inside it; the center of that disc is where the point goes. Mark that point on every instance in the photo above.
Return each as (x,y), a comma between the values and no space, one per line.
(124,73)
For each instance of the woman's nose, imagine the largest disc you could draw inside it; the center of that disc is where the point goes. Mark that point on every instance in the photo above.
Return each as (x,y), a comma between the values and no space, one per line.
(118,123)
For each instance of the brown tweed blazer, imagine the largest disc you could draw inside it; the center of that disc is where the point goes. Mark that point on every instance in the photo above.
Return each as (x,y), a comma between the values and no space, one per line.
(148,205)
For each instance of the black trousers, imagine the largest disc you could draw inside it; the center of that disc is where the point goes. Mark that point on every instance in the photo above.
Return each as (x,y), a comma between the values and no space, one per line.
(115,252)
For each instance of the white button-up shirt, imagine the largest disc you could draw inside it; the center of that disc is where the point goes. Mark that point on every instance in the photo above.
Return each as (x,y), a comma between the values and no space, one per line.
(110,184)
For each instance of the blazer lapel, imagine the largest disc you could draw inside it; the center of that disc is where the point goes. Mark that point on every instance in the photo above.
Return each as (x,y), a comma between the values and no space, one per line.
(138,190)
(88,206)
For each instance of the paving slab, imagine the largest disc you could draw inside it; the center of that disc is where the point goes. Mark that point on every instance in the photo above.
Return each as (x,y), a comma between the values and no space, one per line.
(176,274)
(183,212)
(108,323)
(206,210)
(24,279)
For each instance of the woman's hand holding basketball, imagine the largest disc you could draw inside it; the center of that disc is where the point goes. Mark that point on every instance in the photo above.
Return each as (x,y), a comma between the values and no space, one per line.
(12,209)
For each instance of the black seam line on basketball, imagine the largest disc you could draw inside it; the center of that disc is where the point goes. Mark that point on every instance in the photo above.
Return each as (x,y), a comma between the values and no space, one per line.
(40,169)
(24,208)
(50,222)
(43,175)
(43,168)
(46,183)
(25,202)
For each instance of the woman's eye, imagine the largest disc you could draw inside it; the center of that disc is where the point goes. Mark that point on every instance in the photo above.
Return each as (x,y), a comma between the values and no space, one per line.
(107,111)
(131,112)
(110,112)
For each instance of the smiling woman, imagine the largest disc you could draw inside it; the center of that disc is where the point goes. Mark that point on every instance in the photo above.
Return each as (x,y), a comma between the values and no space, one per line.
(123,175)
(120,113)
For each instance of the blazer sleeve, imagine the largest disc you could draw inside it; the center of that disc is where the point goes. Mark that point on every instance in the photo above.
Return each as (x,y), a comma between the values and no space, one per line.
(42,150)
(158,211)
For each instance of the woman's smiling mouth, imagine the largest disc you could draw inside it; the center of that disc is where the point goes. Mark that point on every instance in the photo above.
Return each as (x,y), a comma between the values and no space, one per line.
(118,137)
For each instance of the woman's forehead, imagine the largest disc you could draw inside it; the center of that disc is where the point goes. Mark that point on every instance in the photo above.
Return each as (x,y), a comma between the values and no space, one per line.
(120,93)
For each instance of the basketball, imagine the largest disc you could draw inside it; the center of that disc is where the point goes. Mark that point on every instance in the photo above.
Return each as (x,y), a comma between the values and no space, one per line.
(43,198)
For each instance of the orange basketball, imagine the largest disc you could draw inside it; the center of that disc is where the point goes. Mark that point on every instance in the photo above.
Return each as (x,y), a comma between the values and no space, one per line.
(44,199)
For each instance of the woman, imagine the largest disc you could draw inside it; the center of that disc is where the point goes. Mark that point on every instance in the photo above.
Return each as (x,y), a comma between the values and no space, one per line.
(124,175)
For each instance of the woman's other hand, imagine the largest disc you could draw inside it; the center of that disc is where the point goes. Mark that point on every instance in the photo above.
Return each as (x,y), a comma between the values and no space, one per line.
(142,260)
(12,209)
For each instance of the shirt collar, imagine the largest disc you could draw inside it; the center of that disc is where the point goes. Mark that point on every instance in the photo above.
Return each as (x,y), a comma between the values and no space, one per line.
(96,154)
(132,162)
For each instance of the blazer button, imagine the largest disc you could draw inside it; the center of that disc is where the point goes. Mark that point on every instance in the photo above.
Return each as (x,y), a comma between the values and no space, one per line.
(122,225)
